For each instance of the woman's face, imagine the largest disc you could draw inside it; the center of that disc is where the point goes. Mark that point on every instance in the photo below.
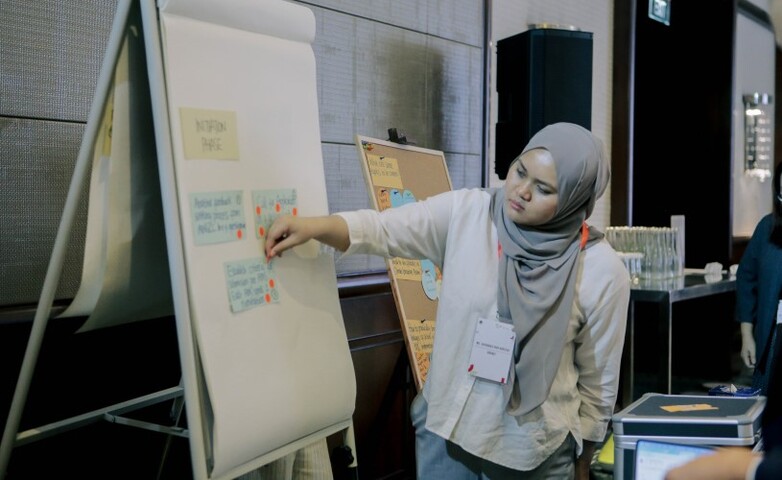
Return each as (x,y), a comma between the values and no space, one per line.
(531,193)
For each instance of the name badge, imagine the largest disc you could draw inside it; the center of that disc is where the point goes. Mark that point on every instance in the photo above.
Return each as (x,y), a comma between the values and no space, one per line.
(779,312)
(492,350)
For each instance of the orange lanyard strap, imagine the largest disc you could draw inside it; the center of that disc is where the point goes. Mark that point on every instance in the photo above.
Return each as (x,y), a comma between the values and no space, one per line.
(584,235)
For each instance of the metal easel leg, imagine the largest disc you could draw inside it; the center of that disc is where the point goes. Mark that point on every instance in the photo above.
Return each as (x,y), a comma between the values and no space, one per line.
(176,415)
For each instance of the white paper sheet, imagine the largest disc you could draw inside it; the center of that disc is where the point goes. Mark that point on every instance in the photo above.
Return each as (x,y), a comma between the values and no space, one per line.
(276,18)
(281,371)
(125,275)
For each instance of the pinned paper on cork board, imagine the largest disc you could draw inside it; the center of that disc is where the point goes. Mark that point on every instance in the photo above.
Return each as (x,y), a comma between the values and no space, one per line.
(397,174)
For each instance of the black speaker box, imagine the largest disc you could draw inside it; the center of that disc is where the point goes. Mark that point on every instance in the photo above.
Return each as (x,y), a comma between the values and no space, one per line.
(544,75)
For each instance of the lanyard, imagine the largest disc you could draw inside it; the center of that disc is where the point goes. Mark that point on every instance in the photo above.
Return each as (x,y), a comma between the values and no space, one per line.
(584,234)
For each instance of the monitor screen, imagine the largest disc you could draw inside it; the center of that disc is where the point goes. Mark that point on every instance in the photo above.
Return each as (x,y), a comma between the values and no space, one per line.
(653,459)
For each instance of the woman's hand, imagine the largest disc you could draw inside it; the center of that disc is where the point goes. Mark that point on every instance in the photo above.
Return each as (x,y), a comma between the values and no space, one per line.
(287,231)
(727,463)
(747,345)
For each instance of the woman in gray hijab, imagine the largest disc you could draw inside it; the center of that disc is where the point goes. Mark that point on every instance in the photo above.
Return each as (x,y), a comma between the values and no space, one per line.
(531,316)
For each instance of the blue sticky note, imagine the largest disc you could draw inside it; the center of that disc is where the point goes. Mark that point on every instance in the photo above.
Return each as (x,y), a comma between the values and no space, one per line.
(429,279)
(270,204)
(396,198)
(217,217)
(250,283)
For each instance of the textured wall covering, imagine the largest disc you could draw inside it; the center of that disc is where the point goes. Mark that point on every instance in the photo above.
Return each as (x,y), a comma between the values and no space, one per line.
(417,66)
(414,65)
(50,54)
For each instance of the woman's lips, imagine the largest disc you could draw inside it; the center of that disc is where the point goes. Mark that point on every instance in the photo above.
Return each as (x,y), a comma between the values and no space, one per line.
(516,206)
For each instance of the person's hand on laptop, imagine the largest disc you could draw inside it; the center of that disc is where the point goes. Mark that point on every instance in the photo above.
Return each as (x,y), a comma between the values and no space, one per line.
(727,463)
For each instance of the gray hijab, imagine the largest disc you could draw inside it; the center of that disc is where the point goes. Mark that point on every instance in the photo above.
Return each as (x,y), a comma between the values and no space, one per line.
(537,271)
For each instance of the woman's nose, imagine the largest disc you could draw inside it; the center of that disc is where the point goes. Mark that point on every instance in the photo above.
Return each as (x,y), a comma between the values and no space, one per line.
(523,191)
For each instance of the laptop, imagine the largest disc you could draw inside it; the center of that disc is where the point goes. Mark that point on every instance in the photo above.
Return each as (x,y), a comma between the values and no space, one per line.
(653,459)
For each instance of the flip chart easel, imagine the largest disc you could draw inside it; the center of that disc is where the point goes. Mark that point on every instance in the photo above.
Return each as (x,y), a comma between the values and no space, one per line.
(396,174)
(264,359)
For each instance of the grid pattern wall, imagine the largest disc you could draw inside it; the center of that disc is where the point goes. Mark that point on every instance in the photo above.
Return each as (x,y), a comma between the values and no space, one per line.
(50,55)
(409,64)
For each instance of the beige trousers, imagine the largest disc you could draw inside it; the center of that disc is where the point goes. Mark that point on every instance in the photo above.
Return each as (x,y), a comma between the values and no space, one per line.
(309,463)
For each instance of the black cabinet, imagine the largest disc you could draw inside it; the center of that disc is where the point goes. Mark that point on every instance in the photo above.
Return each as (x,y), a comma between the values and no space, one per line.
(544,75)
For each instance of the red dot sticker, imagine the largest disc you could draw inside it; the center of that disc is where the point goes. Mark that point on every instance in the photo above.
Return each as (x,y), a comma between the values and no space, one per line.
(271,283)
(295,211)
(239,234)
(261,231)
(277,207)
(268,298)
(257,209)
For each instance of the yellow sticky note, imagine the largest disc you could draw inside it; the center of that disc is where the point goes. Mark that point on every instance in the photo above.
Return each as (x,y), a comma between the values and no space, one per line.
(106,124)
(688,408)
(209,134)
(384,171)
(406,269)
(421,336)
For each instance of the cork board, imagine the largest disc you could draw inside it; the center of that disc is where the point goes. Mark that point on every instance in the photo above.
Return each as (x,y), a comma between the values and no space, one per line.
(397,174)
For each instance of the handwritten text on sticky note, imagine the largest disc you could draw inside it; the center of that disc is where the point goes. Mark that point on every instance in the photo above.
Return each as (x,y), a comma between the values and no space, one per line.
(384,171)
(209,134)
(217,217)
(421,336)
(270,204)
(406,269)
(250,284)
